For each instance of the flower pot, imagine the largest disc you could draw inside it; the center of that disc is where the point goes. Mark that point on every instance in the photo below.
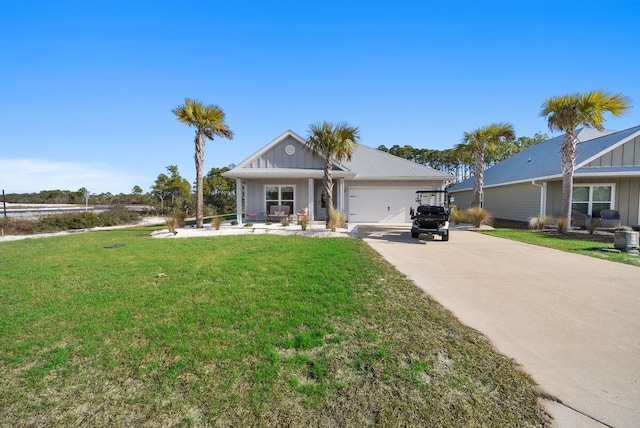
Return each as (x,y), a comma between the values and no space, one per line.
(626,240)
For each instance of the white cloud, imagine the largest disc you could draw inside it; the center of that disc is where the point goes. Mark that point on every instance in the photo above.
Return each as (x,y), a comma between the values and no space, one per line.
(34,175)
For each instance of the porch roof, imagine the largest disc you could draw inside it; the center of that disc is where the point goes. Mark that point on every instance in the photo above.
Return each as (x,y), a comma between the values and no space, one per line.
(286,173)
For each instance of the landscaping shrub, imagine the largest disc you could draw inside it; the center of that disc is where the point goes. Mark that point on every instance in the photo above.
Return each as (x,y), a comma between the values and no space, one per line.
(171,222)
(458,216)
(336,219)
(595,223)
(180,217)
(303,222)
(563,224)
(478,216)
(540,222)
(216,222)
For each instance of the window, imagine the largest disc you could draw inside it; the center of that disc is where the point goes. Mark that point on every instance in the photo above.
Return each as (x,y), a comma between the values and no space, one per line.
(592,198)
(279,195)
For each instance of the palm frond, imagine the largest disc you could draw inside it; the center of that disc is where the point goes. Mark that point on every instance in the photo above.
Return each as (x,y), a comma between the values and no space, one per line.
(566,112)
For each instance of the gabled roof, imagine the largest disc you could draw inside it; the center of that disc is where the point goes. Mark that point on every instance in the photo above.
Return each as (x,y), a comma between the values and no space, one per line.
(273,143)
(365,164)
(542,161)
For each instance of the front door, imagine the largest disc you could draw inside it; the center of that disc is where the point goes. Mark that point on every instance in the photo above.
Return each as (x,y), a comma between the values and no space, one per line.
(321,204)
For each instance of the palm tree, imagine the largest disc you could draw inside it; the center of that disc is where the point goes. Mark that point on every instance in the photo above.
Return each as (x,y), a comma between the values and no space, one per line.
(208,121)
(477,143)
(564,114)
(334,142)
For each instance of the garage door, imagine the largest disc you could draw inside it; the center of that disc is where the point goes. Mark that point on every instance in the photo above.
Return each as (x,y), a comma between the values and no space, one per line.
(381,204)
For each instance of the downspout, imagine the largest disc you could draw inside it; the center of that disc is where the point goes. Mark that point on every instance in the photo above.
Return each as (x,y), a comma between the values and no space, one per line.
(543,191)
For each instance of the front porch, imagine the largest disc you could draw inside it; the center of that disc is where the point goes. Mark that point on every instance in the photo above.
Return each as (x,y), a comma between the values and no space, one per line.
(255,198)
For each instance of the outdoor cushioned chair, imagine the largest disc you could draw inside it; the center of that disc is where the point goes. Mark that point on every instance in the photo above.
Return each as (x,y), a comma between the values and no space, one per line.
(579,219)
(610,218)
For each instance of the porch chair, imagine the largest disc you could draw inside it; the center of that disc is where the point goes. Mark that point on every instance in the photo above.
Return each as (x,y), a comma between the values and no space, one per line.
(579,219)
(610,218)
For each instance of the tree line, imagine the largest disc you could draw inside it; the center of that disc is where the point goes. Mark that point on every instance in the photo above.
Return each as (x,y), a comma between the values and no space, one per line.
(170,194)
(458,161)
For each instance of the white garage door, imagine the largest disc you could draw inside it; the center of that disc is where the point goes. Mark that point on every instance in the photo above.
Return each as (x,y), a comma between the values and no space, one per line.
(381,204)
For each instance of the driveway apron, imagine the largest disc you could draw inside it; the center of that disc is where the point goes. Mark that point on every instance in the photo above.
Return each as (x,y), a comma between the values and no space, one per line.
(572,322)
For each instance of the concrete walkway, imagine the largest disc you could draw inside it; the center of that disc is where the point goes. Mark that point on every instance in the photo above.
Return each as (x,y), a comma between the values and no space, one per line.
(572,322)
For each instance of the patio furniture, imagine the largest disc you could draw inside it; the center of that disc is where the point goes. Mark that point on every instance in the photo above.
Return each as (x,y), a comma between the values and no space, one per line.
(610,218)
(580,219)
(302,213)
(279,212)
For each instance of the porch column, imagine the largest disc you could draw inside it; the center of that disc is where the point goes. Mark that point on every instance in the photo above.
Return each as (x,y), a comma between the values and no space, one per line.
(341,195)
(239,201)
(311,199)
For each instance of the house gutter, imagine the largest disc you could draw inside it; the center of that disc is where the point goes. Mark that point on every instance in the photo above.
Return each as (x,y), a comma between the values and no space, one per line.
(543,192)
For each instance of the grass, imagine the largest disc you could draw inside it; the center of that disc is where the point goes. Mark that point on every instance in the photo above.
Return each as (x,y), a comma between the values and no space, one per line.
(588,245)
(237,331)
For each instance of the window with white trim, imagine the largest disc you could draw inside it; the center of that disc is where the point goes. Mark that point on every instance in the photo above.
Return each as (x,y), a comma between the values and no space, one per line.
(592,198)
(276,194)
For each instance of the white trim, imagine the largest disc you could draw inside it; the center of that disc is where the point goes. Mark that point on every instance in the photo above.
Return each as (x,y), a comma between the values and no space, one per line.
(239,201)
(608,149)
(279,186)
(590,202)
(559,177)
(543,197)
(311,198)
(273,173)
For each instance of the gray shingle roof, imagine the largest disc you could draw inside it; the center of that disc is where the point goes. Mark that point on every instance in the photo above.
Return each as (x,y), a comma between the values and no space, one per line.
(368,164)
(365,164)
(542,161)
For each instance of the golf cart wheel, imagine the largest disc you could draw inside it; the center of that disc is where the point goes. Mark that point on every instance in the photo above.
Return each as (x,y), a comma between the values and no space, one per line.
(445,237)
(415,235)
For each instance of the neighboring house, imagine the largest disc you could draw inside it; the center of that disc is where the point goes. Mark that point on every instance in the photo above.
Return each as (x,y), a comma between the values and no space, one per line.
(373,187)
(529,184)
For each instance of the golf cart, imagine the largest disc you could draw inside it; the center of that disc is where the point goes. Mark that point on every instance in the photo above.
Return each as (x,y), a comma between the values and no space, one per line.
(432,214)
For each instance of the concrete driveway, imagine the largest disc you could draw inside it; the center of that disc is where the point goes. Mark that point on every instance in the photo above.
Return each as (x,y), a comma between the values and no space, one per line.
(572,322)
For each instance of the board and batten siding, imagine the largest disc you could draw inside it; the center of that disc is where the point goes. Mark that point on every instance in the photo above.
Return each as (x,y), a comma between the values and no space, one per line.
(277,157)
(514,202)
(625,155)
(626,199)
(257,202)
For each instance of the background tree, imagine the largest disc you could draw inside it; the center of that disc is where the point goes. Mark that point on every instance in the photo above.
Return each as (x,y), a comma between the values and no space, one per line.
(172,191)
(220,192)
(208,122)
(334,142)
(564,114)
(477,143)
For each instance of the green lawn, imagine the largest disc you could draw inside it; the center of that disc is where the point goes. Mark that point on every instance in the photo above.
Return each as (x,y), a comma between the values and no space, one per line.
(237,331)
(586,245)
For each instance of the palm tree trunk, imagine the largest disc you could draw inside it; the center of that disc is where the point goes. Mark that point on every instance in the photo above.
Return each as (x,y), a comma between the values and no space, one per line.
(328,189)
(199,159)
(479,178)
(568,158)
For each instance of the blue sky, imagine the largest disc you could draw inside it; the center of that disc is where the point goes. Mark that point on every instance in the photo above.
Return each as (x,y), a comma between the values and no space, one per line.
(87,88)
